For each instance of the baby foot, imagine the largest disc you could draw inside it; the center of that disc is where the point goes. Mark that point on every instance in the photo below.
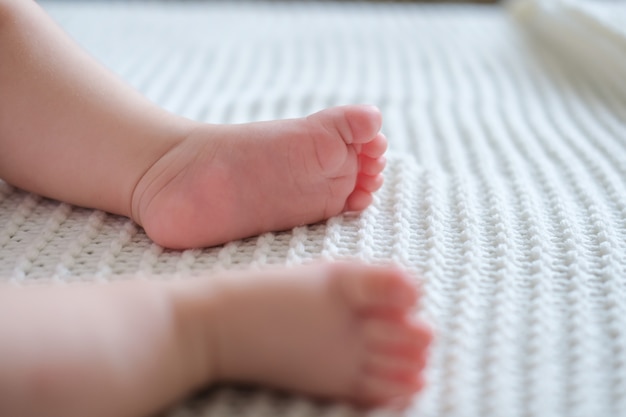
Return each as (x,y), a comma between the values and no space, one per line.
(338,331)
(225,182)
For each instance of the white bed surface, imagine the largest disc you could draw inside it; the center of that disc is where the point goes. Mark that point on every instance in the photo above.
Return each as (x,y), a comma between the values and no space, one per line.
(505,188)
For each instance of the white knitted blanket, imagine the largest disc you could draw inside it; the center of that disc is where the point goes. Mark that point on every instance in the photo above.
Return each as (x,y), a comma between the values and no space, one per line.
(505,189)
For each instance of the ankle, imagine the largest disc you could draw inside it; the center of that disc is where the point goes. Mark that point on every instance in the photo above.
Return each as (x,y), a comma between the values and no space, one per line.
(143,190)
(194,308)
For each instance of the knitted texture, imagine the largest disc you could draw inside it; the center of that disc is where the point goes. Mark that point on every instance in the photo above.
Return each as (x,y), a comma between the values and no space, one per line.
(505,188)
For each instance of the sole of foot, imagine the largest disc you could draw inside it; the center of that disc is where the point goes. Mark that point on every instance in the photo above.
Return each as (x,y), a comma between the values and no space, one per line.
(226,182)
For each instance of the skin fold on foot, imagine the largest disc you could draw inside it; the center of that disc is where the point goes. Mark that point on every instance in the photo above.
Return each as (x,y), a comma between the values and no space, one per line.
(225,182)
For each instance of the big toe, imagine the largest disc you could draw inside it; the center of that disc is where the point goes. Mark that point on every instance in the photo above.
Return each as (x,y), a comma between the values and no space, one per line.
(365,122)
(356,124)
(368,286)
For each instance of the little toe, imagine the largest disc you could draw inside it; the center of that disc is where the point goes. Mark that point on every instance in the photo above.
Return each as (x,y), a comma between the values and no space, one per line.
(369,183)
(402,403)
(372,166)
(375,148)
(358,200)
(368,286)
(374,390)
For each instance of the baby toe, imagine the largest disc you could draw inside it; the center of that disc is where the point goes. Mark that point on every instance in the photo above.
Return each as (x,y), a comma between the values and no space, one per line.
(371,166)
(396,337)
(368,287)
(394,366)
(376,147)
(358,200)
(374,390)
(354,124)
(365,122)
(370,183)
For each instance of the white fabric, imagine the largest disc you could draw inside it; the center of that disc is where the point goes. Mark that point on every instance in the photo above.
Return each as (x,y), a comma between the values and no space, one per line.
(505,189)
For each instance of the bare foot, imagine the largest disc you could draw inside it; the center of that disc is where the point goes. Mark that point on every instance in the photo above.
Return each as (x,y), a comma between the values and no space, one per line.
(337,331)
(225,182)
